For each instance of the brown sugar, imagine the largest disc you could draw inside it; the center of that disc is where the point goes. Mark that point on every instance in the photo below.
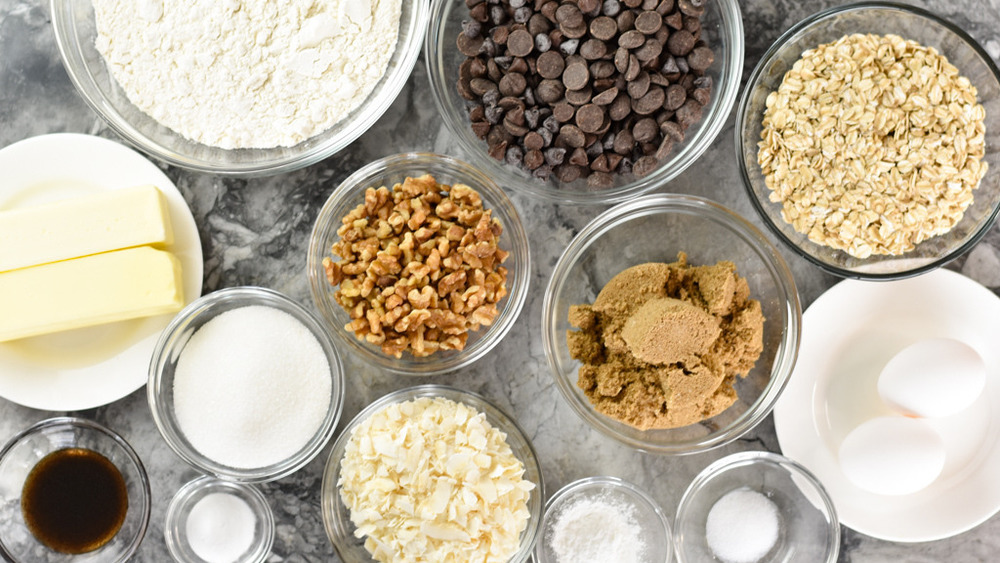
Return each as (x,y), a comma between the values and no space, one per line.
(663,343)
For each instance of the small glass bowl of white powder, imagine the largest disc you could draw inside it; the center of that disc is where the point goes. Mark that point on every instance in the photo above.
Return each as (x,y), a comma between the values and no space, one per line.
(210,520)
(246,385)
(598,519)
(278,86)
(756,506)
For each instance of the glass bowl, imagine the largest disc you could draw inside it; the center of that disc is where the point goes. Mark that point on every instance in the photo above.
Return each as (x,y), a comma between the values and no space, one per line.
(336,516)
(722,28)
(652,523)
(879,18)
(26,449)
(808,529)
(446,170)
(175,531)
(160,389)
(76,32)
(654,228)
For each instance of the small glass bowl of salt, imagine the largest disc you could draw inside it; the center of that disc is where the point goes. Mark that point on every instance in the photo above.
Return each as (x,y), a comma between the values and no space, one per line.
(756,506)
(599,519)
(211,520)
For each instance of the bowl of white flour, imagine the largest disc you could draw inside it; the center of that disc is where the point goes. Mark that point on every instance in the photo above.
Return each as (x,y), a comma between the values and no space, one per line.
(244,88)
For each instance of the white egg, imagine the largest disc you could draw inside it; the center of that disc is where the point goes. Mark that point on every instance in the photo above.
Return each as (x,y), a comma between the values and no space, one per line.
(933,378)
(892,455)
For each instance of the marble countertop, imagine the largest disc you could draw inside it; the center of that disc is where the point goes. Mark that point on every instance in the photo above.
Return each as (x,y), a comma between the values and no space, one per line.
(256,231)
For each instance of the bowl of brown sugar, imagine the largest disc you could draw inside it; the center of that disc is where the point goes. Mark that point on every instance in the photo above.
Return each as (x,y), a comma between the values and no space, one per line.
(671,324)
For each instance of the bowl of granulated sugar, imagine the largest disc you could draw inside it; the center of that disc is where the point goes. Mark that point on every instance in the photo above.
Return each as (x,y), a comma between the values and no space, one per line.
(246,385)
(274,87)
(600,519)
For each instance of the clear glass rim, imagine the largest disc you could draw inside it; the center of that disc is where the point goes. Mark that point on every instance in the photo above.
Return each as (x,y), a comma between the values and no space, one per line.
(780,274)
(160,406)
(511,305)
(254,497)
(330,496)
(743,459)
(605,482)
(368,113)
(732,22)
(742,117)
(70,422)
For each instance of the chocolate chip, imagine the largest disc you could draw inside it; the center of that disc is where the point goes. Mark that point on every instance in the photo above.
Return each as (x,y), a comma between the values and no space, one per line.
(542,43)
(472,28)
(624,142)
(569,46)
(649,50)
(571,136)
(638,87)
(680,43)
(672,130)
(465,90)
(477,113)
(549,91)
(538,23)
(665,7)
(579,157)
(548,10)
(625,21)
(500,35)
(645,130)
(606,97)
(480,86)
(555,156)
(589,6)
(520,43)
(498,150)
(481,128)
(567,173)
(703,82)
(620,108)
(621,59)
(533,141)
(576,76)
(590,118)
(579,97)
(480,13)
(689,113)
(634,68)
(550,65)
(602,69)
(569,15)
(512,84)
(650,102)
(648,22)
(519,65)
(694,8)
(693,25)
(593,49)
(632,39)
(533,159)
(603,28)
(600,163)
(551,124)
(469,46)
(703,95)
(523,14)
(665,148)
(600,180)
(563,112)
(514,155)
(611,8)
(700,59)
(644,166)
(675,97)
(674,20)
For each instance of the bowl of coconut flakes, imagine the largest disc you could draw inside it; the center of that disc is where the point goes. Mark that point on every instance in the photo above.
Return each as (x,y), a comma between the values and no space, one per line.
(273,87)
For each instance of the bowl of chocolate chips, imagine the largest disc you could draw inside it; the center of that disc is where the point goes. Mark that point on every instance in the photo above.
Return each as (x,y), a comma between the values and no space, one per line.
(584,101)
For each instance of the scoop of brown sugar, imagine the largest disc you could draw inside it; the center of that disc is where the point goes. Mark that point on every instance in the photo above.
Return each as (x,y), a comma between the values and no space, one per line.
(665,330)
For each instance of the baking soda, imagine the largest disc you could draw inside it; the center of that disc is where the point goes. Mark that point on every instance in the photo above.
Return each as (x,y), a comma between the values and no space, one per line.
(220,528)
(597,530)
(251,387)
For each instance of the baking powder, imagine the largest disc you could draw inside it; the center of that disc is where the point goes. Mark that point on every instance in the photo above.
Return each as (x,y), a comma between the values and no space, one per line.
(247,73)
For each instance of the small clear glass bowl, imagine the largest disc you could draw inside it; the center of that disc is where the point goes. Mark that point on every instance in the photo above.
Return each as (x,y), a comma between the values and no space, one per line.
(879,18)
(446,170)
(160,389)
(27,448)
(722,28)
(337,517)
(76,32)
(645,511)
(654,228)
(808,531)
(175,531)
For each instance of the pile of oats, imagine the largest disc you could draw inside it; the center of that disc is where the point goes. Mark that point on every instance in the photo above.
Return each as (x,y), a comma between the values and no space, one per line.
(872,144)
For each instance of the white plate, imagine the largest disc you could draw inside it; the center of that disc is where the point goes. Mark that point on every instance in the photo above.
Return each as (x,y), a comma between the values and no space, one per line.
(88,367)
(848,335)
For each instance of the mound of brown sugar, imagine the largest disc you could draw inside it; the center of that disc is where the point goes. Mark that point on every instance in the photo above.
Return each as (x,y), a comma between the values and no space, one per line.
(663,343)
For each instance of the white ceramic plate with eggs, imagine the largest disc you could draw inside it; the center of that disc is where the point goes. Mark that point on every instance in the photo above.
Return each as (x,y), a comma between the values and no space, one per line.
(849,334)
(87,367)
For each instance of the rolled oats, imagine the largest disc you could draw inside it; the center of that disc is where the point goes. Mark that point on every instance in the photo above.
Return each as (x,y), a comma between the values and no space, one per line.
(872,144)
(419,266)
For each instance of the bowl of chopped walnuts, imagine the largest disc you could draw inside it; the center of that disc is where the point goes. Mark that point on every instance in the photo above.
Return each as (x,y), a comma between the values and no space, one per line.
(419,262)
(862,142)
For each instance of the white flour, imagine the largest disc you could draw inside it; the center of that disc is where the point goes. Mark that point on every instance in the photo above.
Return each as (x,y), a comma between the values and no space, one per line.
(250,73)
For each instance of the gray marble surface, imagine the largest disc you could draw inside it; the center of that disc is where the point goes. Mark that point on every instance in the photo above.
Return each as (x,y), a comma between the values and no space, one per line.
(255,232)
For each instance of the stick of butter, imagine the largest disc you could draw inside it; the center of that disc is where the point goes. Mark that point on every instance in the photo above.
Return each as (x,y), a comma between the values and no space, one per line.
(84,225)
(96,289)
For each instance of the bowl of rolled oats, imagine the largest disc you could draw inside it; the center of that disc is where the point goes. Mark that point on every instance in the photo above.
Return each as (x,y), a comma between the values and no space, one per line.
(862,140)
(419,263)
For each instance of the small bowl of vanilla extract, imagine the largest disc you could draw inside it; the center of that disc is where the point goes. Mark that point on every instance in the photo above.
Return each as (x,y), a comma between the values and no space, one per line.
(71,490)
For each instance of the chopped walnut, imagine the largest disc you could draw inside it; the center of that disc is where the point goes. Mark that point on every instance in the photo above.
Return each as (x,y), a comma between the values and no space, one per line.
(419,266)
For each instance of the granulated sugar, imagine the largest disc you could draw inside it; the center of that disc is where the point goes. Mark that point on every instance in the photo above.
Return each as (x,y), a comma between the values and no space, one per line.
(597,530)
(251,73)
(251,387)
